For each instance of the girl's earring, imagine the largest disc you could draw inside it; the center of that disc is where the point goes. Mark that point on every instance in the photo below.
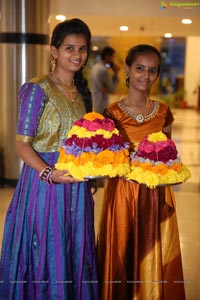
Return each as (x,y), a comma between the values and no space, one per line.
(127,80)
(53,64)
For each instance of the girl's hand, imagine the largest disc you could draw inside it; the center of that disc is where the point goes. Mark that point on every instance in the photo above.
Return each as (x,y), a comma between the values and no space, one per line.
(63,176)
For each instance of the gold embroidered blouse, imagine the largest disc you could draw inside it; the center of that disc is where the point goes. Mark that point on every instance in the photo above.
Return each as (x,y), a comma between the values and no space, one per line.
(46,115)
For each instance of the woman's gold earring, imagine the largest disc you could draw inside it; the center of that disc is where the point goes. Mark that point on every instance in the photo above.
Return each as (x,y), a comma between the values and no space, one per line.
(127,80)
(53,64)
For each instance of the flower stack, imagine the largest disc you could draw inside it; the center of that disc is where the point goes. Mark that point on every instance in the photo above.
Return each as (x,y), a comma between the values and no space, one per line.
(156,162)
(94,148)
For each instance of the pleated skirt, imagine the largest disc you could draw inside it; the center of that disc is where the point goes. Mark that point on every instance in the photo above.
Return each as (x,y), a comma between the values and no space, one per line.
(48,249)
(138,244)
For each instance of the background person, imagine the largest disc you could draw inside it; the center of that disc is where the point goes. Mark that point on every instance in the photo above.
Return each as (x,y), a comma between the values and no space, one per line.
(104,79)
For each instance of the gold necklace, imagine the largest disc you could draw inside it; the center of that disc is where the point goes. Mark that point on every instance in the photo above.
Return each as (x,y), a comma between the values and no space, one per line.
(71,91)
(139,114)
(140,118)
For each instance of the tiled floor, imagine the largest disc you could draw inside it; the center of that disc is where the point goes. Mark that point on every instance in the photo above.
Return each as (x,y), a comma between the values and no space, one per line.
(186,134)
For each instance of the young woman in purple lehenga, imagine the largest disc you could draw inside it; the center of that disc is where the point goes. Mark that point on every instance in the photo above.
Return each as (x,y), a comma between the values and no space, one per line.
(48,249)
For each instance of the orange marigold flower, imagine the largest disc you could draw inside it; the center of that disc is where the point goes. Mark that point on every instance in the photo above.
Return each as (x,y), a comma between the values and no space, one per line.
(119,156)
(146,166)
(86,157)
(106,156)
(176,167)
(61,155)
(75,160)
(135,163)
(92,116)
(160,169)
(97,164)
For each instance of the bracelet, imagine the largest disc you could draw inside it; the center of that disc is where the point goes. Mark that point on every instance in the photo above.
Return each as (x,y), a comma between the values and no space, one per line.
(46,174)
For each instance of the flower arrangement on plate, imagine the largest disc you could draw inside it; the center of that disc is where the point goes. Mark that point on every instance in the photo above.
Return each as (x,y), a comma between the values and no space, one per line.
(156,162)
(94,148)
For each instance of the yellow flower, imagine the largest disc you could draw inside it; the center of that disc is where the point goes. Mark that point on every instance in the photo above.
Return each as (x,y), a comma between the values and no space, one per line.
(82,132)
(157,137)
(107,134)
(143,176)
(162,176)
(101,164)
(79,131)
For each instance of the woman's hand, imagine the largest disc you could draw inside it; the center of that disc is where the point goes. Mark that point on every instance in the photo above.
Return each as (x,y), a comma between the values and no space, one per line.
(31,158)
(63,176)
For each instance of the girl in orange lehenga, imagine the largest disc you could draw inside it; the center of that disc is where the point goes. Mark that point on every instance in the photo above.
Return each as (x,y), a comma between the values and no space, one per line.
(138,240)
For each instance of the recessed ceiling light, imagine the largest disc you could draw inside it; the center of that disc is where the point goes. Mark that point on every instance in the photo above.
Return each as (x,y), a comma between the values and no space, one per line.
(186,21)
(60,18)
(168,35)
(95,48)
(123,28)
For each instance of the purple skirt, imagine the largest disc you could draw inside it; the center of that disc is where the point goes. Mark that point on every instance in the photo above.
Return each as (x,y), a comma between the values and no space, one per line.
(48,249)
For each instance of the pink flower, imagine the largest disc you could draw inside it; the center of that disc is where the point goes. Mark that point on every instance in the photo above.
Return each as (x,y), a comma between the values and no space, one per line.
(164,144)
(97,141)
(160,146)
(79,122)
(166,154)
(106,124)
(146,146)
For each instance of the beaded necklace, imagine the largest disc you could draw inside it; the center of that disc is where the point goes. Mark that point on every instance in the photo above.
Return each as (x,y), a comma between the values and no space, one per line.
(140,118)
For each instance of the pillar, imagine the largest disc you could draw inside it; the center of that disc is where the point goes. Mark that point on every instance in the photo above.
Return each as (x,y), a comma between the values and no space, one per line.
(23,54)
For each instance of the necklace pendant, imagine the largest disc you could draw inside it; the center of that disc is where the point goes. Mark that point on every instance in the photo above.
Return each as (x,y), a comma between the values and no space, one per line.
(139,118)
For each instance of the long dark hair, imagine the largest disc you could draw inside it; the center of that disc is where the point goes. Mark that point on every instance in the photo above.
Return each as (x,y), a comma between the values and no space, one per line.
(75,26)
(142,49)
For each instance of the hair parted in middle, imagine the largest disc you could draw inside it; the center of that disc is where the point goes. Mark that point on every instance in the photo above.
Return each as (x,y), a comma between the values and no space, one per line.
(75,26)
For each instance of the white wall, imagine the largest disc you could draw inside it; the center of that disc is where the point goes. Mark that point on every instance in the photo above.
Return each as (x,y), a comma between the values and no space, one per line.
(192,70)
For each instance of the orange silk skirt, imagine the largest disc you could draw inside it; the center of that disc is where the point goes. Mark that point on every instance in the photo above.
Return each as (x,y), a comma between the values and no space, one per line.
(139,254)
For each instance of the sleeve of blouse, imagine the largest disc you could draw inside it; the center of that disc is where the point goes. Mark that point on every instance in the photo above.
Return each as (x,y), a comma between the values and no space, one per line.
(108,113)
(32,101)
(169,118)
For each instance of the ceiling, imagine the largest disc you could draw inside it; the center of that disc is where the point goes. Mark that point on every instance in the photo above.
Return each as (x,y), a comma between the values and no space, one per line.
(144,18)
